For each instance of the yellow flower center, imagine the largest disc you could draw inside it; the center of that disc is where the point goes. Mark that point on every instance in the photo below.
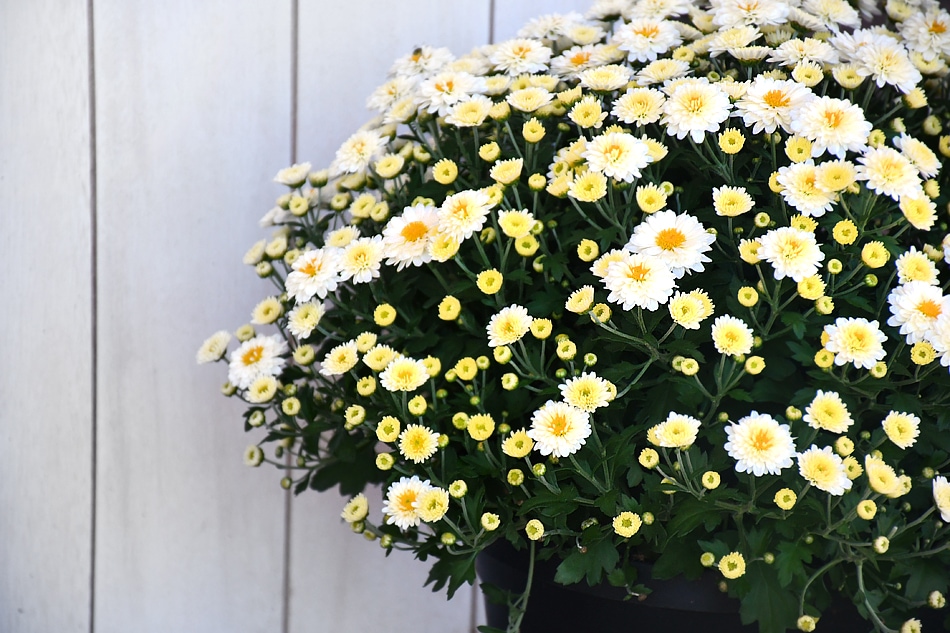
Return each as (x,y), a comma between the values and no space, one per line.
(252,355)
(762,440)
(937,27)
(638,272)
(776,99)
(669,239)
(929,308)
(558,424)
(405,500)
(833,118)
(414,231)
(580,58)
(648,31)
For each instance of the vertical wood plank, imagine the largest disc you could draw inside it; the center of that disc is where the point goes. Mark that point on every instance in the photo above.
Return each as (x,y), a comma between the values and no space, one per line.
(45,325)
(193,104)
(338,580)
(511,16)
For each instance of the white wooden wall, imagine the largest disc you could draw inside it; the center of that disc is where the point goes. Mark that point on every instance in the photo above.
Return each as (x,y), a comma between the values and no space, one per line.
(137,144)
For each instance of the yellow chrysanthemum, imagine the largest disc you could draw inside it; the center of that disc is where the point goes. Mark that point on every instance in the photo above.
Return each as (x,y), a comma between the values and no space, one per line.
(627,524)
(481,426)
(732,565)
(518,444)
(489,281)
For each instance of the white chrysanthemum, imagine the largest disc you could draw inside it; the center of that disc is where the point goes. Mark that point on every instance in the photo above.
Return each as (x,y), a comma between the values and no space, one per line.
(887,62)
(731,201)
(677,431)
(214,347)
(259,356)
(914,265)
(559,429)
(760,445)
(605,78)
(639,280)
(422,62)
(915,308)
(508,325)
(358,152)
(731,336)
(342,236)
(687,310)
(901,428)
(917,152)
(400,505)
(833,14)
(645,39)
(588,392)
(656,9)
(520,56)
(695,107)
(827,411)
(791,252)
(464,213)
(403,374)
(406,237)
(731,38)
(801,189)
(550,26)
(889,172)
(362,259)
(769,104)
(439,93)
(315,273)
(639,106)
(529,99)
(617,155)
(576,60)
(857,341)
(732,13)
(340,359)
(304,318)
(470,111)
(927,32)
(825,470)
(679,240)
(794,51)
(661,71)
(417,443)
(833,125)
(941,492)
(516,223)
(939,338)
(386,95)
(294,175)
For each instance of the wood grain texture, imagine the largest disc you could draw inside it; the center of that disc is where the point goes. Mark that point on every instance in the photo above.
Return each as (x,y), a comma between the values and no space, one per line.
(45,325)
(193,121)
(345,52)
(511,15)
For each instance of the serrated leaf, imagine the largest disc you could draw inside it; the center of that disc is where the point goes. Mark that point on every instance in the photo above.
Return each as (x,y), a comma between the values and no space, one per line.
(598,558)
(773,608)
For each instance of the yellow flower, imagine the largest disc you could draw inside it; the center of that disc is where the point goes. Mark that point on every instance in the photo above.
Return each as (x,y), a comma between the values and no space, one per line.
(417,443)
(449,308)
(626,524)
(385,461)
(490,521)
(489,152)
(601,312)
(922,353)
(732,565)
(874,254)
(824,359)
(587,113)
(417,405)
(590,186)
(901,428)
(365,341)
(502,354)
(650,198)
(515,477)
(481,426)
(811,288)
(581,300)
(587,250)
(710,480)
(541,328)
(798,149)
(432,504)
(509,381)
(489,281)
(384,314)
(802,223)
(748,296)
(731,202)
(921,211)
(267,311)
(532,130)
(366,386)
(836,175)
(845,232)
(566,349)
(731,140)
(506,171)
(466,368)
(527,245)
(515,224)
(867,509)
(517,445)
(754,365)
(534,529)
(354,415)
(748,251)
(649,458)
(537,182)
(433,366)
(785,498)
(388,429)
(304,355)
(389,165)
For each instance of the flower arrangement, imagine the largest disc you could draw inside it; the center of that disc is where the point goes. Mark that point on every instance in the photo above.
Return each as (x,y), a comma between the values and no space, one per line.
(664,281)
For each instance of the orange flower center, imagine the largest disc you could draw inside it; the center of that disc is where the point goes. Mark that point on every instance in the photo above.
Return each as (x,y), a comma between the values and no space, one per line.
(762,440)
(414,231)
(668,239)
(776,99)
(558,424)
(929,308)
(252,355)
(638,272)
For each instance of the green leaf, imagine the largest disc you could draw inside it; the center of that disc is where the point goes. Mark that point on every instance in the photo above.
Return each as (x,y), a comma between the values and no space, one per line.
(592,564)
(774,608)
(790,561)
(678,560)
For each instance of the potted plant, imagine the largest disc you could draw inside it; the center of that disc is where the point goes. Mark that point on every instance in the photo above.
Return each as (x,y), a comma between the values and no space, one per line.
(663,283)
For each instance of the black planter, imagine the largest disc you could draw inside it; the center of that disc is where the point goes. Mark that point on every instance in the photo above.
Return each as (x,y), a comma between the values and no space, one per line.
(676,605)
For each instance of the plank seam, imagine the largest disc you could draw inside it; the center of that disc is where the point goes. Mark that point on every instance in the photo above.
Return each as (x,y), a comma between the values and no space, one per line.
(94,343)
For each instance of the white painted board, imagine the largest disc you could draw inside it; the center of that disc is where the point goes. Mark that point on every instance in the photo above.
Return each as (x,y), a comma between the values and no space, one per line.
(45,323)
(193,120)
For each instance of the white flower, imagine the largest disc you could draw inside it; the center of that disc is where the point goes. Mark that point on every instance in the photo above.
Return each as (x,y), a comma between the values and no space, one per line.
(259,356)
(559,429)
(661,71)
(576,60)
(529,99)
(889,172)
(358,152)
(760,445)
(769,104)
(801,190)
(406,237)
(639,280)
(400,506)
(470,111)
(939,337)
(901,428)
(793,51)
(833,13)
(464,213)
(386,95)
(827,411)
(915,307)
(520,56)
(855,340)
(214,347)
(695,107)
(919,154)
(733,38)
(791,252)
(362,259)
(941,492)
(403,374)
(605,78)
(293,176)
(640,106)
(508,325)
(315,273)
(731,336)
(927,32)
(588,392)
(677,431)
(825,470)
(340,359)
(732,13)
(914,265)
(422,62)
(833,125)
(617,155)
(679,240)
(439,93)
(887,62)
(304,318)
(645,38)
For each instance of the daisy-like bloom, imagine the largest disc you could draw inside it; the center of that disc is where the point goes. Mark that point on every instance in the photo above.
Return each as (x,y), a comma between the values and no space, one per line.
(438,94)
(590,186)
(617,155)
(358,152)
(406,237)
(401,497)
(627,524)
(791,252)
(605,78)
(760,445)
(529,99)
(639,106)
(941,492)
(516,223)
(214,347)
(920,211)
(355,509)
(588,392)
(833,125)
(833,14)
(469,111)
(732,565)
(731,201)
(517,444)
(506,172)
(731,13)
(645,39)
(882,478)
(341,236)
(464,213)
(315,273)
(695,106)
(857,341)
(581,300)
(914,265)
(662,70)
(575,60)
(836,175)
(687,310)
(520,56)
(602,264)
(588,113)
(889,172)
(261,390)
(901,428)
(919,154)
(304,318)
(432,504)
(404,374)
(887,62)
(679,240)
(418,443)
(508,325)
(340,359)
(731,336)
(259,356)
(793,51)
(927,33)
(823,469)
(677,431)
(362,259)
(638,280)
(423,61)
(386,95)
(915,308)
(559,429)
(378,357)
(827,411)
(768,103)
(732,38)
